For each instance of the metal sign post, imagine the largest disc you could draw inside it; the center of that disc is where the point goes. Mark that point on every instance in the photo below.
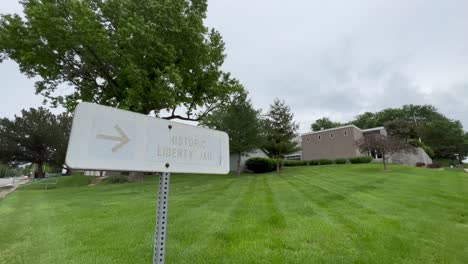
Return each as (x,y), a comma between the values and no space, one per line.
(162,217)
(104,138)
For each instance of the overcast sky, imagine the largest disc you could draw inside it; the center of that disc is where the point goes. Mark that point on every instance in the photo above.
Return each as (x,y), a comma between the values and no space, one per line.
(327,58)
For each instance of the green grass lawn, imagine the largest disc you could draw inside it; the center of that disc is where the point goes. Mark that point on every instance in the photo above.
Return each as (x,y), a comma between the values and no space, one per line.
(324,214)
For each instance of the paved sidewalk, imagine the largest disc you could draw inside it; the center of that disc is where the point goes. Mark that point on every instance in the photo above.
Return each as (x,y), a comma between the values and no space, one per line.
(8,185)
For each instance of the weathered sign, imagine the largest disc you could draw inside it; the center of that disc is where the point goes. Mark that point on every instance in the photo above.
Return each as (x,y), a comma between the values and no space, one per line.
(105,138)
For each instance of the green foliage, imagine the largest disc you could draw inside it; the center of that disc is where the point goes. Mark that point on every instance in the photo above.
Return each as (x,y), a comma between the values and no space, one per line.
(324,123)
(404,129)
(37,136)
(7,171)
(446,162)
(357,160)
(428,150)
(325,162)
(260,165)
(340,161)
(313,162)
(241,121)
(145,56)
(443,136)
(408,113)
(425,147)
(294,163)
(278,131)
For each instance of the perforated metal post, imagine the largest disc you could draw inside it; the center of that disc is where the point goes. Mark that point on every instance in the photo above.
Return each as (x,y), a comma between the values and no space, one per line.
(162,216)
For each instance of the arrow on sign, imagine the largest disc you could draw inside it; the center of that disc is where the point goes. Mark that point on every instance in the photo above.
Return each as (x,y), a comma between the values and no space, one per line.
(123,139)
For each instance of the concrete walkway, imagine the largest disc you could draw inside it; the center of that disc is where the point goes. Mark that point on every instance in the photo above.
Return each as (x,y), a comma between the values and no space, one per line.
(9,185)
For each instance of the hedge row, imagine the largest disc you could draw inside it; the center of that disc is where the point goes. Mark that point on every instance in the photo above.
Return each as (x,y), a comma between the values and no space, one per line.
(357,160)
(261,165)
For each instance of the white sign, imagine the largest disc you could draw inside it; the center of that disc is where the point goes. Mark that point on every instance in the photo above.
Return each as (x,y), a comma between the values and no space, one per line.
(105,138)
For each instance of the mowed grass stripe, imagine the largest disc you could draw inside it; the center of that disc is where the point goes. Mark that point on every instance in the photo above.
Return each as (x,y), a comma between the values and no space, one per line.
(421,226)
(323,214)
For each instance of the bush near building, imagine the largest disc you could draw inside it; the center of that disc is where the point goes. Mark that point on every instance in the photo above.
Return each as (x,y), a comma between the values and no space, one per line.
(293,163)
(433,166)
(312,163)
(358,160)
(340,161)
(260,165)
(325,162)
(420,164)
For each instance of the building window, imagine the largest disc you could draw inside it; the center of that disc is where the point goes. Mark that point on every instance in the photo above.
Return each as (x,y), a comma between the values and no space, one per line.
(307,139)
(346,133)
(331,135)
(319,137)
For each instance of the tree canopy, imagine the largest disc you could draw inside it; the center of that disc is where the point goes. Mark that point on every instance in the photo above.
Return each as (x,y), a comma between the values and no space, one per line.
(387,145)
(145,56)
(279,130)
(324,123)
(37,136)
(241,121)
(439,134)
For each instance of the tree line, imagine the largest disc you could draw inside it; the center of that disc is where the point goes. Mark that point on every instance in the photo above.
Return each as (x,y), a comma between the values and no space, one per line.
(422,125)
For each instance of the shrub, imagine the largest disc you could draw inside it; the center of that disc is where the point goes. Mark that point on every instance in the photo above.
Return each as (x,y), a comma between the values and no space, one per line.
(428,150)
(420,164)
(325,162)
(260,165)
(364,159)
(312,162)
(340,161)
(293,163)
(433,165)
(445,162)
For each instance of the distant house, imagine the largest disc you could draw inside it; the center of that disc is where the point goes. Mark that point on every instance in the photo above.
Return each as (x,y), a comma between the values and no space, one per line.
(340,142)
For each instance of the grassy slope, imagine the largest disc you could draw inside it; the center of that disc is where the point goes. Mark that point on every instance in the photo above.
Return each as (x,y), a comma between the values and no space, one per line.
(328,214)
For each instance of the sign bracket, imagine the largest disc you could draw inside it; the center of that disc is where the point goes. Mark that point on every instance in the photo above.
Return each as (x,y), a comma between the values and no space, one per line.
(162,217)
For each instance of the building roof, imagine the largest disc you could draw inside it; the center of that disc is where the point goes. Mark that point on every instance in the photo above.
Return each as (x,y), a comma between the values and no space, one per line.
(372,129)
(340,127)
(329,129)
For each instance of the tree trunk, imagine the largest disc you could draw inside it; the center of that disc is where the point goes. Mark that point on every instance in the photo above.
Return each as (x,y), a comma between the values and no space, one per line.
(135,176)
(239,164)
(277,165)
(40,170)
(384,161)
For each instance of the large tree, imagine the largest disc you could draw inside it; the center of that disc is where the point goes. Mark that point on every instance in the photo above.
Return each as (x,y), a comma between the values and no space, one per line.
(422,122)
(324,123)
(387,145)
(279,131)
(151,56)
(37,136)
(241,121)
